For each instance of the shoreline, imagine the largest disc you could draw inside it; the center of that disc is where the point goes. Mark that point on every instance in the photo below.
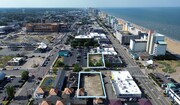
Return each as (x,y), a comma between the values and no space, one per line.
(173,45)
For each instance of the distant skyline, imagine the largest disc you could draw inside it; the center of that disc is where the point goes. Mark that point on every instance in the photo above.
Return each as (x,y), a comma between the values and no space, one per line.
(88,3)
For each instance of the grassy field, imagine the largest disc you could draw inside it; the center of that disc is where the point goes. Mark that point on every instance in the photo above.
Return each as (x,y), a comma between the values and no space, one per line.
(59,62)
(168,66)
(47,83)
(4,60)
(95,60)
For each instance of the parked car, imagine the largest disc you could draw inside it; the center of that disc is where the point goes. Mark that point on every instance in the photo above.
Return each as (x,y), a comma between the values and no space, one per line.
(15,68)
(37,82)
(3,68)
(39,78)
(1,88)
(21,81)
(16,86)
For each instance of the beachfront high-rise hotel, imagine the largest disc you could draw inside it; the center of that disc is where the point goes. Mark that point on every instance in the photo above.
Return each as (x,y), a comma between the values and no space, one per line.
(156,44)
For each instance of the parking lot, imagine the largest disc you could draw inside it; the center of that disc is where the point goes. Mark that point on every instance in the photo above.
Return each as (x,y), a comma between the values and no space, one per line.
(82,57)
(108,85)
(79,56)
(16,82)
(7,52)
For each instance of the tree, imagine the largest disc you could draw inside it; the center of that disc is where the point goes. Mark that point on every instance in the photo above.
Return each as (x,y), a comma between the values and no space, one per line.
(86,44)
(59,63)
(91,63)
(25,75)
(10,91)
(108,64)
(87,69)
(55,70)
(77,68)
(66,67)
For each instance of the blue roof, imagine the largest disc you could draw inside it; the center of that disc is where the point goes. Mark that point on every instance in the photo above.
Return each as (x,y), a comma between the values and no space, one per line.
(2,75)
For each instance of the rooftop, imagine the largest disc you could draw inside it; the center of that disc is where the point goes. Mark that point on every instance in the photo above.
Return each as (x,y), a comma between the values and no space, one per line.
(125,33)
(92,84)
(124,84)
(140,40)
(72,80)
(42,45)
(158,34)
(59,79)
(83,37)
(106,51)
(16,59)
(162,42)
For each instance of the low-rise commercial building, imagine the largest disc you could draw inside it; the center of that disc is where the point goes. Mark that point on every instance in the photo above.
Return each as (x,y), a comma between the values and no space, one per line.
(65,53)
(104,50)
(173,91)
(42,27)
(124,86)
(5,29)
(16,61)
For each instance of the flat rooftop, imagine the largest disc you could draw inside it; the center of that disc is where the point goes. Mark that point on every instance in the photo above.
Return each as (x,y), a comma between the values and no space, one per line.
(93,85)
(140,40)
(162,42)
(124,84)
(72,80)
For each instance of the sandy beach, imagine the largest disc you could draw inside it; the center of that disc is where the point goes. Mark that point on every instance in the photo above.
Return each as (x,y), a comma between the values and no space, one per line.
(173,46)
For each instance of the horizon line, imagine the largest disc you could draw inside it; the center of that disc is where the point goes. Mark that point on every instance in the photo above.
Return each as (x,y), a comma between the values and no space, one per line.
(98,7)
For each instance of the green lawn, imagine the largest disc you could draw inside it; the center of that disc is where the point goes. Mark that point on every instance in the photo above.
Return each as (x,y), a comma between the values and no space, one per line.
(47,83)
(95,60)
(59,62)
(5,102)
(4,60)
(169,66)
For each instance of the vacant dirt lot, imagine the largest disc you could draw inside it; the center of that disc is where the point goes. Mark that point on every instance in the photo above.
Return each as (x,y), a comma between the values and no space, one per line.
(32,62)
(92,85)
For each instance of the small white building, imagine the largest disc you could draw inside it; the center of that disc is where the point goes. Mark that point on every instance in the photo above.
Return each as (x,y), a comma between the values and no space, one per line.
(172,90)
(42,45)
(124,86)
(106,51)
(138,45)
(83,37)
(16,61)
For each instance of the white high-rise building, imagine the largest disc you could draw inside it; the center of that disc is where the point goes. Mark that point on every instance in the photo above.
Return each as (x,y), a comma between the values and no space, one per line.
(156,44)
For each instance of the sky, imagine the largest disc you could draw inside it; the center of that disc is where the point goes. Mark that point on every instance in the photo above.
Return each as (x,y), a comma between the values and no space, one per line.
(89,3)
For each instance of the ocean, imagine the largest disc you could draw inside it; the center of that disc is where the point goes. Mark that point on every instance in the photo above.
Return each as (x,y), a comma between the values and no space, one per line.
(163,20)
